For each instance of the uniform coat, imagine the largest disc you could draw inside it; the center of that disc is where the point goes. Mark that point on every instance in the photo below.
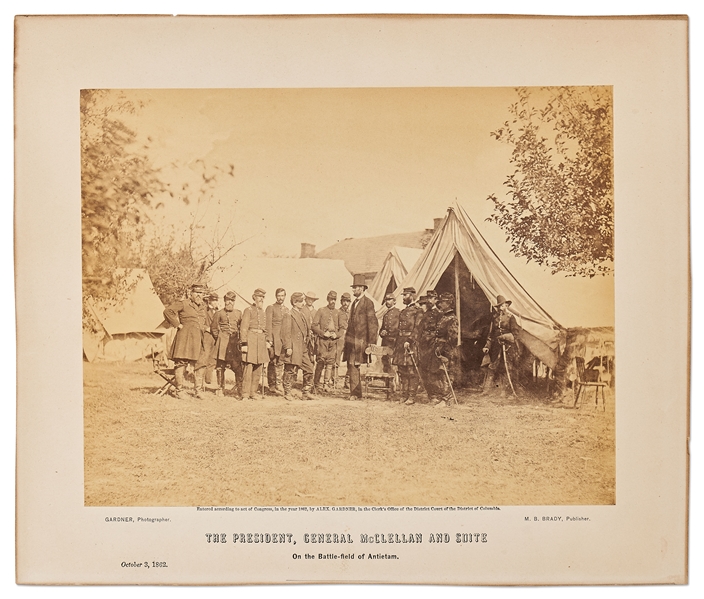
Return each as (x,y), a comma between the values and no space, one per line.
(226,330)
(274,319)
(389,327)
(326,321)
(362,331)
(408,321)
(188,342)
(253,334)
(295,334)
(343,318)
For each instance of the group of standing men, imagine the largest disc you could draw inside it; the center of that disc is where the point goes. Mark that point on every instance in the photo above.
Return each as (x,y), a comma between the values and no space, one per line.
(422,341)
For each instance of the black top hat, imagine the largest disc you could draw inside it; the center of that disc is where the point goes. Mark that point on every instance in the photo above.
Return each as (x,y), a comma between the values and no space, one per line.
(359,281)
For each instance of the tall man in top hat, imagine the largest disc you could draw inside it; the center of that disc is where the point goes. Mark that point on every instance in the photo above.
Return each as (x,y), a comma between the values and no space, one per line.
(188,317)
(274,318)
(255,349)
(326,326)
(406,350)
(500,342)
(362,331)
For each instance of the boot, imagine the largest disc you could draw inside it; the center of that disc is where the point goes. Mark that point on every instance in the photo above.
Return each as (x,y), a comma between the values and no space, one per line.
(327,379)
(179,379)
(220,376)
(286,382)
(198,385)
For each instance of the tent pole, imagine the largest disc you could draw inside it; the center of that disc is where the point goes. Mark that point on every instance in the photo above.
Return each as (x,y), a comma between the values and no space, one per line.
(457,298)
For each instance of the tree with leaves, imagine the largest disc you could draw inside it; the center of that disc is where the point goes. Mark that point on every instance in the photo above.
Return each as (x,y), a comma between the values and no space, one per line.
(121,191)
(118,183)
(559,209)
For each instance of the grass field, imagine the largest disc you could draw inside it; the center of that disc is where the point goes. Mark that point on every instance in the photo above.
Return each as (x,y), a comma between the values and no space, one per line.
(146,450)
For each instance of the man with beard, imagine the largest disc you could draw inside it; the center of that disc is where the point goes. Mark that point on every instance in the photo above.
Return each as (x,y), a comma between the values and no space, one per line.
(501,342)
(326,326)
(343,317)
(188,317)
(425,341)
(362,330)
(226,331)
(207,360)
(389,330)
(444,358)
(274,318)
(295,334)
(406,349)
(255,349)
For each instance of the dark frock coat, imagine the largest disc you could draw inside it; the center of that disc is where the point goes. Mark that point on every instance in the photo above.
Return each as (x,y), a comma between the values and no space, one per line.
(188,342)
(253,333)
(226,330)
(389,327)
(362,331)
(408,320)
(274,319)
(295,335)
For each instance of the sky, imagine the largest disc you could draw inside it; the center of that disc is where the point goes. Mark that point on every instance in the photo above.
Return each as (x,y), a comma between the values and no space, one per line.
(321,165)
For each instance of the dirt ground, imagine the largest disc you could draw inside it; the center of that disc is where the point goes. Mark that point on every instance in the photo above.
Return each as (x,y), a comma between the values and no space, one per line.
(145,450)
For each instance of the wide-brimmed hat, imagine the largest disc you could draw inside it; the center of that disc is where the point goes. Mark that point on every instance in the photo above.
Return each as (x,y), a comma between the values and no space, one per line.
(311,295)
(359,281)
(500,299)
(230,296)
(197,288)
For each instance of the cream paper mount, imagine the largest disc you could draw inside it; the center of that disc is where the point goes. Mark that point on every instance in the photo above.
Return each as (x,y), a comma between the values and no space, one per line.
(260,140)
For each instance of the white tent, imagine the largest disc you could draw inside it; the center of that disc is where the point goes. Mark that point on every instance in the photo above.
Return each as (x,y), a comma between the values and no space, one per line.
(292,274)
(394,269)
(459,260)
(130,325)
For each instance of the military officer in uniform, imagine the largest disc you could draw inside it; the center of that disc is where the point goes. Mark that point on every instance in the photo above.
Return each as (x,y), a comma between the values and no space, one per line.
(295,335)
(406,349)
(226,331)
(389,331)
(188,317)
(274,318)
(343,316)
(444,358)
(255,349)
(501,339)
(425,341)
(326,327)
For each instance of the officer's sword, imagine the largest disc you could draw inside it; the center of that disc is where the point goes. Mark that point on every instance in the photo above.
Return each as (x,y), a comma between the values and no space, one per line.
(449,382)
(508,374)
(410,353)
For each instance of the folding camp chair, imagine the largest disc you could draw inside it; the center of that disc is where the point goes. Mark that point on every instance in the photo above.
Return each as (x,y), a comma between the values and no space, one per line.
(165,372)
(588,378)
(373,371)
